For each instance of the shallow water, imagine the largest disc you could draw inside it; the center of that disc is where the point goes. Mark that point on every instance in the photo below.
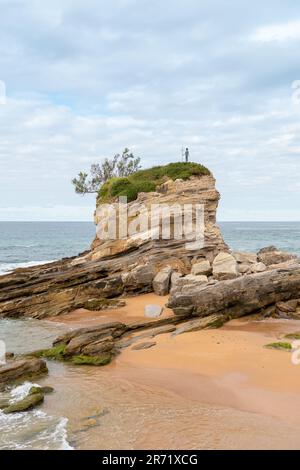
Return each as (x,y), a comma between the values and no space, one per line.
(106,408)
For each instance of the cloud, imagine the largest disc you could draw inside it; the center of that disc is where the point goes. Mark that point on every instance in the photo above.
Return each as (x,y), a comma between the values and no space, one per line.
(280,32)
(86,79)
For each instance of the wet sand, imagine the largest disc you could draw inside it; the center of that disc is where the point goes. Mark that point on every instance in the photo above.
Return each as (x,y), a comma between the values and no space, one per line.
(228,371)
(133,311)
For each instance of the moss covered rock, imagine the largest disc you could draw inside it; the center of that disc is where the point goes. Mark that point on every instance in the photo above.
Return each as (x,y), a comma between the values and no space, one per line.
(101,360)
(44,390)
(27,403)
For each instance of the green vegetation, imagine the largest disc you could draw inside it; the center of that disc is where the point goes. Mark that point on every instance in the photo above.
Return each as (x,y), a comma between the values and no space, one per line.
(102,360)
(118,166)
(293,336)
(280,345)
(56,353)
(147,180)
(45,390)
(30,401)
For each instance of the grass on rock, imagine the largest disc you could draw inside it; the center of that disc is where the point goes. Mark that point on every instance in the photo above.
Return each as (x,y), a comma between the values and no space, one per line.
(147,180)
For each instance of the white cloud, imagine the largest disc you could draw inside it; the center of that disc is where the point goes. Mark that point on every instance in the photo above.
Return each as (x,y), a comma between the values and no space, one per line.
(280,32)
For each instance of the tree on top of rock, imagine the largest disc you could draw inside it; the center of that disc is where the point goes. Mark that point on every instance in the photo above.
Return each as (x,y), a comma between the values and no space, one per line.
(119,166)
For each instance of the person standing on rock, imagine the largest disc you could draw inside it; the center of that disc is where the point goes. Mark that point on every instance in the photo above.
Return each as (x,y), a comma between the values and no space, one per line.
(187,154)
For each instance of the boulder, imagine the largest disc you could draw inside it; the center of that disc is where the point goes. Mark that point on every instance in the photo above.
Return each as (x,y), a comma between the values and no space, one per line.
(45,390)
(225,267)
(175,278)
(153,311)
(244,268)
(258,267)
(192,279)
(22,369)
(139,278)
(27,403)
(161,282)
(201,268)
(272,255)
(244,257)
(237,297)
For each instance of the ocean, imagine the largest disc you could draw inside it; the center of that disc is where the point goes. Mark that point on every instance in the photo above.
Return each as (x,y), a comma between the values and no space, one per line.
(27,243)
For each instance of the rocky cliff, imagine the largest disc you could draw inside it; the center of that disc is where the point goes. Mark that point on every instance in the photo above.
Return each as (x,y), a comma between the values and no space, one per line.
(116,267)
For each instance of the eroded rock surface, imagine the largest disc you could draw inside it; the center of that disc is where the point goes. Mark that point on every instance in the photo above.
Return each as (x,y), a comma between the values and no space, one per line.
(22,369)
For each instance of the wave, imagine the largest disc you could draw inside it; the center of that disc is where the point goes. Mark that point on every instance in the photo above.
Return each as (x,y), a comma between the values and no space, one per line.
(33,429)
(6,268)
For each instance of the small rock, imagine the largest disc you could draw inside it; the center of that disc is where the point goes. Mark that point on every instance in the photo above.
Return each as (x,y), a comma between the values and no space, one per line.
(225,267)
(202,267)
(153,311)
(244,268)
(45,390)
(146,345)
(9,355)
(272,255)
(244,257)
(258,268)
(174,278)
(161,282)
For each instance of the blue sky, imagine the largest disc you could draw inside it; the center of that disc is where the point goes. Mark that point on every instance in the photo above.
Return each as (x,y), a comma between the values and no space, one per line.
(84,79)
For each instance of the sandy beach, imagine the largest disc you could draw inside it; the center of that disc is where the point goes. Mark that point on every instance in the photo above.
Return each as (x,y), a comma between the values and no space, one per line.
(227,367)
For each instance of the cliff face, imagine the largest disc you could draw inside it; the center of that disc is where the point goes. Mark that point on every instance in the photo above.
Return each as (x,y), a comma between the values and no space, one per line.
(187,196)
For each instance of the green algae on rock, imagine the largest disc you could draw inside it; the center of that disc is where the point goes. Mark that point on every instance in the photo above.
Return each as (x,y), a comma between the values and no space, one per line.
(280,345)
(27,403)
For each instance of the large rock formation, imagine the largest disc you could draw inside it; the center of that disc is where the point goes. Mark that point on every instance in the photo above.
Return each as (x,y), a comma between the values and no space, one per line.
(237,297)
(116,267)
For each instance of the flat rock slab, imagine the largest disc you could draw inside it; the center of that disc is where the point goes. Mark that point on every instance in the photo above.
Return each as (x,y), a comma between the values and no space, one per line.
(22,368)
(153,311)
(146,345)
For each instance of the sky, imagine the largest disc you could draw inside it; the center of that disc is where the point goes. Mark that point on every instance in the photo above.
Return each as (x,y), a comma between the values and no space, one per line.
(85,79)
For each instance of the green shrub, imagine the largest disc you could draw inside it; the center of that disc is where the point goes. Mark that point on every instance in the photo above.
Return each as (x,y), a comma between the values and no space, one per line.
(147,180)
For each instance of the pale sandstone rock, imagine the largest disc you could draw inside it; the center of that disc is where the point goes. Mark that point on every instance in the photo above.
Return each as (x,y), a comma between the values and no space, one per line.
(161,282)
(244,268)
(245,257)
(272,255)
(258,267)
(225,267)
(201,268)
